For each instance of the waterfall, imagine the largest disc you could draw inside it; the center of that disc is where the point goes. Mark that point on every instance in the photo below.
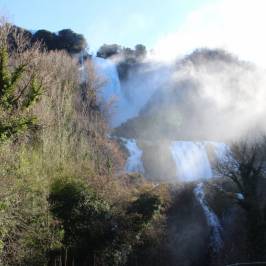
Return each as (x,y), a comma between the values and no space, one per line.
(134,162)
(212,219)
(192,163)
(126,100)
(110,94)
(107,72)
(191,160)
(119,107)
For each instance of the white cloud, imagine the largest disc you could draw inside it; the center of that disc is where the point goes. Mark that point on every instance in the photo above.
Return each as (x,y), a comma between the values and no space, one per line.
(235,25)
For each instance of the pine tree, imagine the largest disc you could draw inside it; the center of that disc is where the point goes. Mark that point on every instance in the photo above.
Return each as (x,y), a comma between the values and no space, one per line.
(15,102)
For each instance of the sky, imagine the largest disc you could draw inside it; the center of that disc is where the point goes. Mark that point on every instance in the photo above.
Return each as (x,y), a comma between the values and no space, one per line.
(126,22)
(237,26)
(170,27)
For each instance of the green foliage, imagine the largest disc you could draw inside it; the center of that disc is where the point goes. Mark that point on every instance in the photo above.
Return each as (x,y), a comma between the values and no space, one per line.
(25,222)
(33,94)
(72,202)
(146,205)
(71,41)
(49,39)
(63,146)
(65,40)
(12,126)
(92,228)
(83,216)
(128,54)
(108,50)
(15,101)
(129,58)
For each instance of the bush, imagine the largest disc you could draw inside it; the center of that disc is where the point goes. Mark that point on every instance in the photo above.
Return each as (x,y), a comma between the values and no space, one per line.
(146,205)
(84,218)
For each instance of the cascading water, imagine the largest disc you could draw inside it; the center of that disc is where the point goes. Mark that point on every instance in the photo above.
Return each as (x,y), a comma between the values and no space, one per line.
(212,219)
(125,103)
(111,93)
(191,160)
(134,162)
(111,84)
(192,163)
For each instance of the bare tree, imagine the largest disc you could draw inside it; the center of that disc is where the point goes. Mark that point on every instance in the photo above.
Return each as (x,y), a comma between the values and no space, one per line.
(245,165)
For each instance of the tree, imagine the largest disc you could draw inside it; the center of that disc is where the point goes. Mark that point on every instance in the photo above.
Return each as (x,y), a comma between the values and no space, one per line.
(245,165)
(108,50)
(49,39)
(140,51)
(66,40)
(20,86)
(71,41)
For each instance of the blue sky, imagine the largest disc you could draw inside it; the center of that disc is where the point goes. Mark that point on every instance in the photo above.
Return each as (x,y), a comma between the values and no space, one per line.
(126,22)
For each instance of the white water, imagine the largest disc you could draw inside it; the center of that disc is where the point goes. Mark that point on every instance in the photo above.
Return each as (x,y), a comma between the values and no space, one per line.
(191,159)
(192,164)
(111,94)
(120,103)
(134,162)
(108,74)
(212,219)
(125,101)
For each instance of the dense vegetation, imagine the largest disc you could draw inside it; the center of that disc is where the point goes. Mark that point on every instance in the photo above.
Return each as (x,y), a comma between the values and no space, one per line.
(64,199)
(60,199)
(65,39)
(127,58)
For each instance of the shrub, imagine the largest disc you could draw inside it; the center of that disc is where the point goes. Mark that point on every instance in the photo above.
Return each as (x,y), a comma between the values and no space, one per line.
(83,216)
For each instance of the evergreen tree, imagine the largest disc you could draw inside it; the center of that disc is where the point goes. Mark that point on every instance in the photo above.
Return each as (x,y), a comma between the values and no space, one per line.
(15,100)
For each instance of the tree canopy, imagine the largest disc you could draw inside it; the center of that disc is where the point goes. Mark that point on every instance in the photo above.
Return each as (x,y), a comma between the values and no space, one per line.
(65,39)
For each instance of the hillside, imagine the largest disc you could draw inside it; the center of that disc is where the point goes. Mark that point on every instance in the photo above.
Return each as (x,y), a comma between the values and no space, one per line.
(121,160)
